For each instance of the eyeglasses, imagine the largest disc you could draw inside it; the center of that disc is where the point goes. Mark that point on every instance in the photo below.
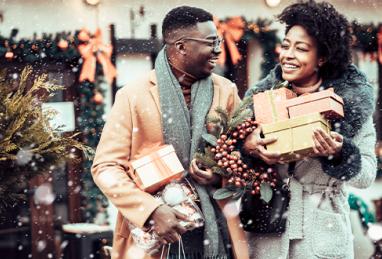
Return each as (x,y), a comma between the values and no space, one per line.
(215,43)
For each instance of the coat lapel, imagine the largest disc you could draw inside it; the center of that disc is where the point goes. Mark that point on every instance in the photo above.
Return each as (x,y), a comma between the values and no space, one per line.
(154,89)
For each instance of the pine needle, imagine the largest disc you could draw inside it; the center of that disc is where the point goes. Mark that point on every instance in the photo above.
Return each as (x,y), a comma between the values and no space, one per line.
(26,134)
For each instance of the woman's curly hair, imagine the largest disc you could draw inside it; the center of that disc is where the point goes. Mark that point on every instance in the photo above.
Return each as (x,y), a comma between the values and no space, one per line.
(331,30)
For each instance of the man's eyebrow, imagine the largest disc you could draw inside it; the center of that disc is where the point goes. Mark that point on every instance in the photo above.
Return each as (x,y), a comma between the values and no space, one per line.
(214,36)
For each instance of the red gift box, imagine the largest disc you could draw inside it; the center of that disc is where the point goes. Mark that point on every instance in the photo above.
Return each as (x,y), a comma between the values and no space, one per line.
(270,105)
(153,171)
(325,102)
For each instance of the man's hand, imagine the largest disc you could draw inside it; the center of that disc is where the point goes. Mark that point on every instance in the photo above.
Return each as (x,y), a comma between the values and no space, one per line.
(166,223)
(327,144)
(203,176)
(254,145)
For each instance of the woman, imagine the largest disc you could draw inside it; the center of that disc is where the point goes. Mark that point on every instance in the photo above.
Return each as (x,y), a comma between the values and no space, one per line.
(316,55)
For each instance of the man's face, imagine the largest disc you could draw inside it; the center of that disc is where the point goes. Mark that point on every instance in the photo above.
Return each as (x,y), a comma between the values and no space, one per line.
(201,56)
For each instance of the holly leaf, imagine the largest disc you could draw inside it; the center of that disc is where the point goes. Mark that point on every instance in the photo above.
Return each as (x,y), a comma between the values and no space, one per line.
(266,192)
(239,192)
(210,139)
(223,193)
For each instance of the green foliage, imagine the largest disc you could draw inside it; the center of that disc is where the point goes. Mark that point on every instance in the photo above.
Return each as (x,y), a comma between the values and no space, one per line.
(205,159)
(39,50)
(266,192)
(28,144)
(210,139)
(90,123)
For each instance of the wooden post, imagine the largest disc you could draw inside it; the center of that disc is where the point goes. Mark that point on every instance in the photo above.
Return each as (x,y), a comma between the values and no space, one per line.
(378,108)
(113,41)
(74,170)
(154,36)
(41,208)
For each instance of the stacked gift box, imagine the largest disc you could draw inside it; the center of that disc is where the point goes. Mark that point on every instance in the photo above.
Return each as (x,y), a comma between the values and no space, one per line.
(293,119)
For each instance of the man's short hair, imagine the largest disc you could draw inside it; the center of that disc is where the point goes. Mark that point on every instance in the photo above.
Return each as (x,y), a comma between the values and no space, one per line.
(183,17)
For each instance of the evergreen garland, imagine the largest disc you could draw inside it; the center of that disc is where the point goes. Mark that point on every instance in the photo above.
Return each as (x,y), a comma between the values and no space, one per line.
(59,48)
(90,123)
(365,37)
(62,48)
(260,30)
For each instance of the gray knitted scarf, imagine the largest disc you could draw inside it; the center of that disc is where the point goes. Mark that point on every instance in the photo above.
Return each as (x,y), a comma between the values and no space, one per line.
(183,129)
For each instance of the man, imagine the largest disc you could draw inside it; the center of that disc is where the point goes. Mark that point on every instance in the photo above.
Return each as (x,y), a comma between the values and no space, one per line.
(167,106)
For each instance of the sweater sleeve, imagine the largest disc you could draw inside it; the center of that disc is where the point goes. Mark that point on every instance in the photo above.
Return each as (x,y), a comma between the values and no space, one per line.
(358,165)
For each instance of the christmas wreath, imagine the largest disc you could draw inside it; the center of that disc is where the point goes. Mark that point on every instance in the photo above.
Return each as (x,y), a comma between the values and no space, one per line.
(223,155)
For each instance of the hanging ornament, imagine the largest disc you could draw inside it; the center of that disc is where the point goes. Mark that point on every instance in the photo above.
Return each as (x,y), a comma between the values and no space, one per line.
(379,38)
(98,98)
(9,55)
(84,35)
(63,44)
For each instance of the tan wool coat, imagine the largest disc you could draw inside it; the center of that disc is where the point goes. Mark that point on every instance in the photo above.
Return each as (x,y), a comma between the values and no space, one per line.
(134,125)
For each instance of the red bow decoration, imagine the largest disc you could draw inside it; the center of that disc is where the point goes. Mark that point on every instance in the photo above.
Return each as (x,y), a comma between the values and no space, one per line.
(379,37)
(231,30)
(93,51)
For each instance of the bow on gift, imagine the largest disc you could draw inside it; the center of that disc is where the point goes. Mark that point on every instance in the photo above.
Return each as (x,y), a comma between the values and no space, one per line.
(93,51)
(379,37)
(231,30)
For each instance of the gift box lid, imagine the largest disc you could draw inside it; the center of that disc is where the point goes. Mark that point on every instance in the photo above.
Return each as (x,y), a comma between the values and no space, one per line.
(313,97)
(156,153)
(283,93)
(294,122)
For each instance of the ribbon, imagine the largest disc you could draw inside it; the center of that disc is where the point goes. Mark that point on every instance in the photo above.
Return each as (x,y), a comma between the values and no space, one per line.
(273,105)
(379,37)
(231,31)
(94,51)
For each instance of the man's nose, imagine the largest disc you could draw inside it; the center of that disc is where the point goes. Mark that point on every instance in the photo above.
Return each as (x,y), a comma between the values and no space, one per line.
(217,49)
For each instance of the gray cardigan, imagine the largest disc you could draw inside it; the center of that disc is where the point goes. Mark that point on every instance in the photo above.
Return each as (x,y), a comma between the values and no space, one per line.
(318,215)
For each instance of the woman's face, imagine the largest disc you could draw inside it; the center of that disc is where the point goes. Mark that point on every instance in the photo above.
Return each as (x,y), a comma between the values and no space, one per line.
(299,57)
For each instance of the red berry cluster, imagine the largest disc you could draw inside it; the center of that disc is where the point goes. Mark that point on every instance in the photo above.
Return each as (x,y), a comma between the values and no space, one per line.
(239,173)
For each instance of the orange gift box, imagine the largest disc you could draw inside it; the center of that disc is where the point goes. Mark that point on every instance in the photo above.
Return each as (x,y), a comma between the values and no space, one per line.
(325,102)
(153,171)
(270,105)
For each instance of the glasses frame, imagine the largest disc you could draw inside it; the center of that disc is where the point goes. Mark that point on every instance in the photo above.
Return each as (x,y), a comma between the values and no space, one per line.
(216,42)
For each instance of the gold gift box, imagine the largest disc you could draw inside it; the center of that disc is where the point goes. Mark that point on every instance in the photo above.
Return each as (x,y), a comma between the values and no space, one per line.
(155,170)
(294,136)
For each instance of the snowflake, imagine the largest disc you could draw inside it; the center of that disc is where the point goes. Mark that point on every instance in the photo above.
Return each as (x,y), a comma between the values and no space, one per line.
(41,245)
(23,156)
(44,194)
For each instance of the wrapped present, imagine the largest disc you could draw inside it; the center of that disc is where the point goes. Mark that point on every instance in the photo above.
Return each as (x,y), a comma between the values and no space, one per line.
(155,170)
(295,135)
(270,105)
(325,102)
(179,196)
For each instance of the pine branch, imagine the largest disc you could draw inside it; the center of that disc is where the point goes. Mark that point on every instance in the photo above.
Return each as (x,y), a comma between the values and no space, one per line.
(224,117)
(239,119)
(205,160)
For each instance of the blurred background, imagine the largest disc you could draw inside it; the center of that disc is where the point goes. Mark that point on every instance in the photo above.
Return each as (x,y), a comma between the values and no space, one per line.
(63,38)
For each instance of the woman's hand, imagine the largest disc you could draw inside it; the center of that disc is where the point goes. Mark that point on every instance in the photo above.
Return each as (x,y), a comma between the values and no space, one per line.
(254,145)
(327,144)
(201,176)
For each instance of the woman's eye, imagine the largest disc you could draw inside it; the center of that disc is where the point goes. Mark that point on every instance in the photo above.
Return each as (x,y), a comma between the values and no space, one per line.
(302,49)
(284,46)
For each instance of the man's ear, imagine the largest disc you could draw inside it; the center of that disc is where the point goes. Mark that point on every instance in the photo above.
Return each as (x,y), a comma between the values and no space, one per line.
(180,47)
